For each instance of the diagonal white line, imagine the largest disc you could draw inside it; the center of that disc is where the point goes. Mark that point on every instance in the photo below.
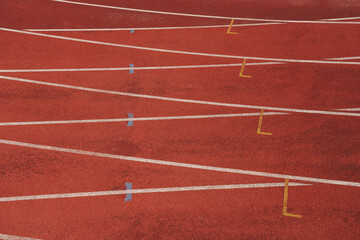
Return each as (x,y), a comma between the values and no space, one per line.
(179,164)
(340,19)
(344,58)
(167,28)
(350,109)
(135,68)
(148,190)
(164,28)
(203,16)
(180,99)
(12,237)
(137,119)
(149,28)
(178,51)
(149,118)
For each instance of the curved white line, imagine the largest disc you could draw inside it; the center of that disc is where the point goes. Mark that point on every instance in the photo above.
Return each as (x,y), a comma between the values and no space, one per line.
(137,119)
(147,190)
(341,19)
(179,164)
(202,16)
(178,51)
(231,115)
(350,109)
(134,68)
(12,237)
(164,28)
(344,58)
(181,99)
(149,28)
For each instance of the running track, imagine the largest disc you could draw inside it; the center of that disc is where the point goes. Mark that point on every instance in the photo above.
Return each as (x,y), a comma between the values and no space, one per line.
(198,167)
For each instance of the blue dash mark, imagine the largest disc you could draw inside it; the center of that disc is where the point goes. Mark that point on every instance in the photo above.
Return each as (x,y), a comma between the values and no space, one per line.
(128,187)
(131,68)
(130,122)
(132,31)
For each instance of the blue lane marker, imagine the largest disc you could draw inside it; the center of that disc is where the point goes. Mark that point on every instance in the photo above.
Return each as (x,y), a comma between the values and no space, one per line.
(130,123)
(131,68)
(132,31)
(128,187)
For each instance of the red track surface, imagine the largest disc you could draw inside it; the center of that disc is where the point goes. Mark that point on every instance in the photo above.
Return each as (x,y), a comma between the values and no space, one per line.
(309,145)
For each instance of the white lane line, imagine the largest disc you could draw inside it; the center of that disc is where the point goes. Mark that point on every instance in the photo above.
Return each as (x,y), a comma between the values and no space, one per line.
(340,19)
(137,119)
(147,190)
(149,118)
(135,68)
(179,164)
(181,99)
(344,58)
(12,237)
(350,109)
(178,51)
(203,16)
(149,28)
(165,28)
(148,68)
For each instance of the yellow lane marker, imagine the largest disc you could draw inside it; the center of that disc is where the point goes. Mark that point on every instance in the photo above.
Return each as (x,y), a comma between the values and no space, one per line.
(230,26)
(260,123)
(286,192)
(242,70)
